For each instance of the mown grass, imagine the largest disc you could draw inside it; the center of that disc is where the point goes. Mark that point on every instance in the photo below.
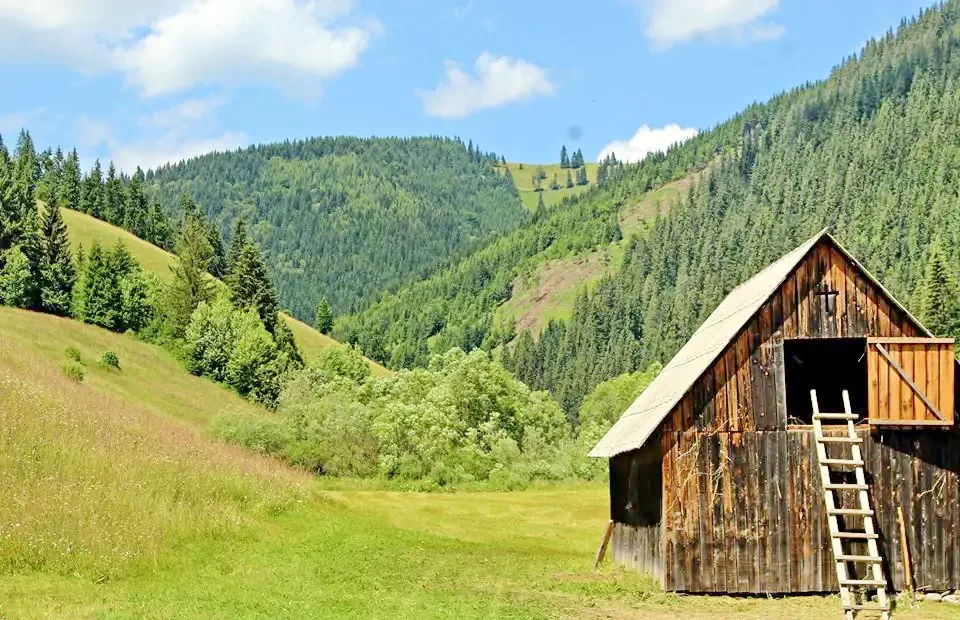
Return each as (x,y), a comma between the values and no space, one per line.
(523,181)
(85,230)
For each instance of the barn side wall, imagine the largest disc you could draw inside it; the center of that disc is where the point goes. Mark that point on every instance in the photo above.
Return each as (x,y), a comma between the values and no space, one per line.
(742,509)
(635,508)
(745,511)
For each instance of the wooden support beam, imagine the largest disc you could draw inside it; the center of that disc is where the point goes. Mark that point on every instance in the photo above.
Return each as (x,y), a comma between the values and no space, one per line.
(602,551)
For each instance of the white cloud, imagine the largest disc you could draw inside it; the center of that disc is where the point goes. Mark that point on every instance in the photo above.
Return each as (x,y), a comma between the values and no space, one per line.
(675,21)
(647,141)
(173,137)
(168,46)
(499,80)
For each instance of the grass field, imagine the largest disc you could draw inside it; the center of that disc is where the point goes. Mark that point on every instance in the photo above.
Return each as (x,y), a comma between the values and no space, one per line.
(85,230)
(523,181)
(116,506)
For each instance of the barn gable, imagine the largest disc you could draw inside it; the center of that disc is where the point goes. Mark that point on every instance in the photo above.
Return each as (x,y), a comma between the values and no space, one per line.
(715,335)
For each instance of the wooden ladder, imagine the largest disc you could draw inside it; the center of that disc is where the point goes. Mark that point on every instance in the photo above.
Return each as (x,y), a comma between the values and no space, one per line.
(850,588)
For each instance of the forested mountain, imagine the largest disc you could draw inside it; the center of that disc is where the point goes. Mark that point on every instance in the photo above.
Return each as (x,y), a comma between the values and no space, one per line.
(344,218)
(871,152)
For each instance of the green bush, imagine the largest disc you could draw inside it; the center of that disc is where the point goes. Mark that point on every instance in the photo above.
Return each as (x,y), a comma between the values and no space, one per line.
(74,370)
(73,354)
(110,359)
(255,432)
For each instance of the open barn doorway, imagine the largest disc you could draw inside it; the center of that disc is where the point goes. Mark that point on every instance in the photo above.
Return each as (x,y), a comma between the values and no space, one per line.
(829,366)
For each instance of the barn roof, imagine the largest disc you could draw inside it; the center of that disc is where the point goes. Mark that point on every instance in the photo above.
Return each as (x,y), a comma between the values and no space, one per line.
(646,413)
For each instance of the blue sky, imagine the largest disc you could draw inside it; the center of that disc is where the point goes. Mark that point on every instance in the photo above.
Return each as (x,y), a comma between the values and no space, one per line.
(174,78)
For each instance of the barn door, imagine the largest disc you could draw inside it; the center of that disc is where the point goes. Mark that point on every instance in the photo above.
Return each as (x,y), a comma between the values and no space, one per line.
(910,381)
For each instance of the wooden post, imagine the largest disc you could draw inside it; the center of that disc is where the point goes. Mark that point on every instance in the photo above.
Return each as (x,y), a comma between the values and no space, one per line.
(904,545)
(603,545)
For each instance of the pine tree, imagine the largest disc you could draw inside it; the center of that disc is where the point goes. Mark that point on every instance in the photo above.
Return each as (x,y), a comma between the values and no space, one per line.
(99,299)
(135,211)
(57,274)
(113,197)
(569,180)
(564,158)
(238,240)
(70,183)
(249,282)
(937,296)
(92,192)
(190,284)
(582,176)
(541,213)
(324,321)
(555,184)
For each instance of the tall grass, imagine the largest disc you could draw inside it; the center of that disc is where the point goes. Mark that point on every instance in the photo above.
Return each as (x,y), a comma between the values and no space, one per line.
(93,485)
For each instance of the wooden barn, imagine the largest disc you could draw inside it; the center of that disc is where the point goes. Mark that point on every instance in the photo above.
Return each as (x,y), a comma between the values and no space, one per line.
(715,475)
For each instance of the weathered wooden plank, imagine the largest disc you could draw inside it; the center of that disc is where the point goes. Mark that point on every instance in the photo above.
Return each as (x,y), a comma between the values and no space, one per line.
(766,459)
(850,272)
(883,388)
(788,293)
(828,322)
(780,383)
(838,280)
(753,517)
(783,535)
(717,500)
(872,310)
(907,411)
(669,511)
(721,418)
(883,317)
(947,385)
(746,553)
(686,410)
(874,367)
(703,563)
(933,374)
(894,408)
(732,391)
(909,340)
(744,383)
(920,410)
(815,283)
(731,510)
(803,300)
(862,321)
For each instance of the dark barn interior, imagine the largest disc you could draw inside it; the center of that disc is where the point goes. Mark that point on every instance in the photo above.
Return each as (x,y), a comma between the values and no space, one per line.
(829,366)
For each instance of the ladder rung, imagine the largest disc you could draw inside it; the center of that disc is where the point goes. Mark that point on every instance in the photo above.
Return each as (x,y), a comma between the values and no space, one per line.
(868,607)
(846,486)
(862,582)
(851,462)
(829,439)
(850,511)
(855,535)
(836,416)
(859,558)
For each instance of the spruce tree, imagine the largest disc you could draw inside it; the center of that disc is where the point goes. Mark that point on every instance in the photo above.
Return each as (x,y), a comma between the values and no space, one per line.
(564,158)
(99,299)
(70,183)
(135,214)
(324,321)
(937,295)
(113,197)
(249,282)
(92,193)
(191,283)
(569,180)
(57,274)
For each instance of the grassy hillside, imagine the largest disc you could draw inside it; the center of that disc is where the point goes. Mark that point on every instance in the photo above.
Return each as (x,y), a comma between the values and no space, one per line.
(523,181)
(85,230)
(546,291)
